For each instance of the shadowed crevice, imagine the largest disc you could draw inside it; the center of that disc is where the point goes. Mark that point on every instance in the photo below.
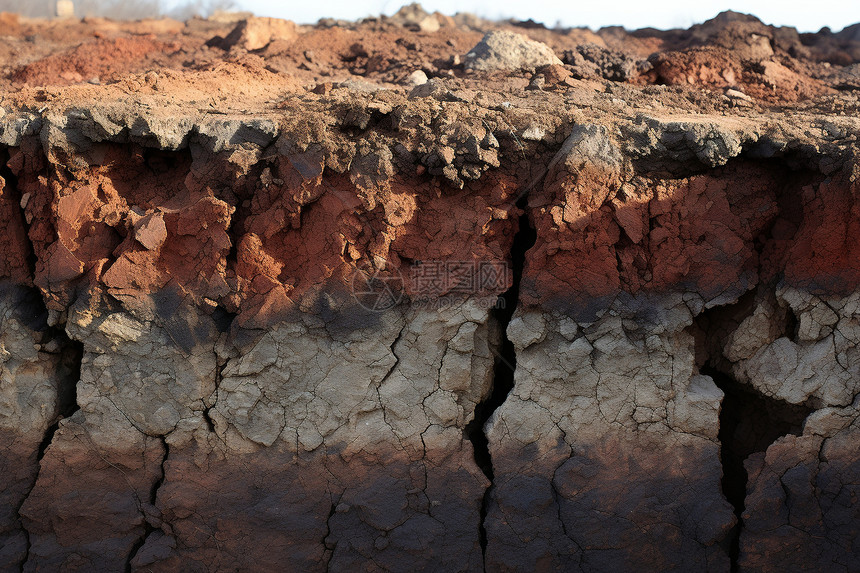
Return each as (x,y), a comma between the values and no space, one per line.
(14,193)
(149,528)
(503,367)
(749,420)
(71,356)
(328,549)
(749,423)
(223,322)
(72,353)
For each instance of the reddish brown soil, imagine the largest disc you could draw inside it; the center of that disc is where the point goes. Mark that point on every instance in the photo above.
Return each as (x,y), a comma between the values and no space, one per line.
(775,65)
(713,233)
(92,61)
(137,220)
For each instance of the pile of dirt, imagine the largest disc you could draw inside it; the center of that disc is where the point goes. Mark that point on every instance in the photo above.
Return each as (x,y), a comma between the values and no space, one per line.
(770,65)
(103,58)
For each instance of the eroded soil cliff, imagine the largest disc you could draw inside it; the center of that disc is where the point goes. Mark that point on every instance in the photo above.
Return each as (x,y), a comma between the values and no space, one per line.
(428,293)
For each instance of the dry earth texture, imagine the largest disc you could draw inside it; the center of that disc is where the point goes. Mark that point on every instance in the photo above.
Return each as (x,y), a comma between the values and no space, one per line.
(424,293)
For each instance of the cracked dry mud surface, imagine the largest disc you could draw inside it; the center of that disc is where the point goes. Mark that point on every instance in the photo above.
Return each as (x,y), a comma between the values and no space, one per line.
(660,373)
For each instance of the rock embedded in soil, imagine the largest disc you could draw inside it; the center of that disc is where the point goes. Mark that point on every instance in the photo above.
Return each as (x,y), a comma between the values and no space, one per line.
(417,78)
(275,306)
(151,231)
(257,33)
(500,50)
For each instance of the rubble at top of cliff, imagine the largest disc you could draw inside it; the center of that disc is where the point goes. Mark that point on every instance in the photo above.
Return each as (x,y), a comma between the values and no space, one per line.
(228,63)
(455,95)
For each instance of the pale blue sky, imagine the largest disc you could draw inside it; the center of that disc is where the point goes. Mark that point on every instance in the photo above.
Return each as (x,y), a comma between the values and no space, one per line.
(805,16)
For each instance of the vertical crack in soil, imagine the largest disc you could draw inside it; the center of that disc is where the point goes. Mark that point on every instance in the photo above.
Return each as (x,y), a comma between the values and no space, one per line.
(14,193)
(749,423)
(223,322)
(53,340)
(71,356)
(149,528)
(503,366)
(749,420)
(207,411)
(329,551)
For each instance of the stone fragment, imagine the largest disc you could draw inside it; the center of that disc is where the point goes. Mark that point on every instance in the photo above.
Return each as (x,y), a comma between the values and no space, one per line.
(415,18)
(257,33)
(608,64)
(434,87)
(416,78)
(150,231)
(555,76)
(501,50)
(534,132)
(738,96)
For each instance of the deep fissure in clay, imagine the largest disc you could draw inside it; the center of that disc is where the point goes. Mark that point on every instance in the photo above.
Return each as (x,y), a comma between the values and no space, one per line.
(504,363)
(149,528)
(749,420)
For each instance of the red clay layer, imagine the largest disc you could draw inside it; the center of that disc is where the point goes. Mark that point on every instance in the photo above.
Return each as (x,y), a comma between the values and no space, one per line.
(717,233)
(141,221)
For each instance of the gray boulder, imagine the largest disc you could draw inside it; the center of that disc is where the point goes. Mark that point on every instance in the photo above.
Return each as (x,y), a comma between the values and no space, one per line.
(500,50)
